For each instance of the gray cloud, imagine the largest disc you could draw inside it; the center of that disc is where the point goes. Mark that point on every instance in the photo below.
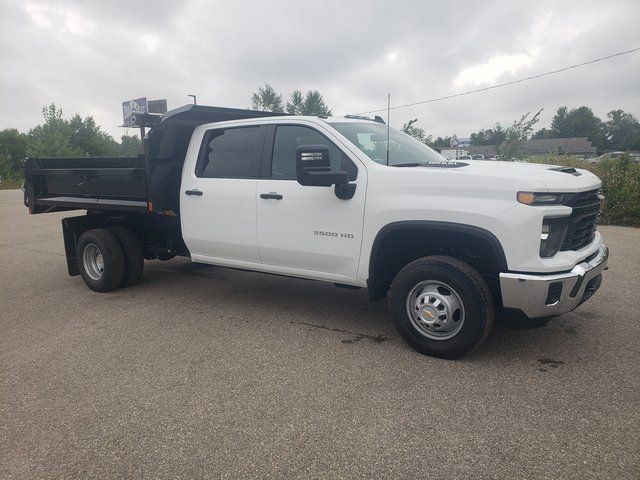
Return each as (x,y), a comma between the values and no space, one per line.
(88,56)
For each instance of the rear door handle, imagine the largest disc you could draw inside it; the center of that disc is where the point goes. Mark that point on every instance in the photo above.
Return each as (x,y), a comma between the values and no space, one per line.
(275,196)
(194,192)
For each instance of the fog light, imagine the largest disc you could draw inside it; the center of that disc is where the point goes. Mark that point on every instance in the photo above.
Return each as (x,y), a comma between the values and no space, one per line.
(551,238)
(544,234)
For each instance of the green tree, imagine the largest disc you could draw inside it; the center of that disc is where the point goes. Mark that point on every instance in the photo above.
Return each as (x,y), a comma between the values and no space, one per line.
(314,105)
(579,122)
(490,136)
(416,132)
(89,137)
(480,138)
(516,134)
(130,145)
(560,124)
(296,105)
(53,137)
(419,134)
(622,131)
(543,133)
(440,143)
(77,137)
(13,148)
(267,99)
(498,135)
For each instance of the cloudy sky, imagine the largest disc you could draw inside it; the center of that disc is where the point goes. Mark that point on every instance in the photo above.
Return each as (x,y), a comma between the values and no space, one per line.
(89,56)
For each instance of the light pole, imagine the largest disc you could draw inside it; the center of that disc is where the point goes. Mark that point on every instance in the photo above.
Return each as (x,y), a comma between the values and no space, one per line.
(194,99)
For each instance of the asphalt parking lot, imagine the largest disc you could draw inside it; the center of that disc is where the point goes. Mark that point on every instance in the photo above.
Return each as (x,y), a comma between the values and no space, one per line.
(204,372)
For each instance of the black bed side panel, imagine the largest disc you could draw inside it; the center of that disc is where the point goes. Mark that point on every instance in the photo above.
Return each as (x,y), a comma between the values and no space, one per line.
(101,183)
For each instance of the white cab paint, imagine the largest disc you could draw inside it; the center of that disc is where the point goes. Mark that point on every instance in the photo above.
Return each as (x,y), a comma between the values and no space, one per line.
(231,225)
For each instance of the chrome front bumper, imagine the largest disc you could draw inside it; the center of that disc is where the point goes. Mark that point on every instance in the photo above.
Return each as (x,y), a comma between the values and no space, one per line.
(541,296)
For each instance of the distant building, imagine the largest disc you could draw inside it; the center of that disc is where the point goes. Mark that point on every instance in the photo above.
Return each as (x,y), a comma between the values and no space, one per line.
(482,150)
(560,146)
(546,146)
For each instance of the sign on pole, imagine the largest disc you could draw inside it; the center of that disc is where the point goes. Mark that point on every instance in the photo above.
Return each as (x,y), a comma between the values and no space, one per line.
(131,108)
(157,106)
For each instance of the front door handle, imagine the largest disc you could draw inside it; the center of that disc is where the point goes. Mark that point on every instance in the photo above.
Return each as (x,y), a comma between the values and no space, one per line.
(194,192)
(274,196)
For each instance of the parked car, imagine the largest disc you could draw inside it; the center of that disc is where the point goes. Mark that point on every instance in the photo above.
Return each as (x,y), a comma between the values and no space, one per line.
(450,243)
(610,155)
(477,156)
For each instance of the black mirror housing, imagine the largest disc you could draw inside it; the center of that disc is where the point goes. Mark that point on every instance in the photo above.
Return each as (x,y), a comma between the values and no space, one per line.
(313,167)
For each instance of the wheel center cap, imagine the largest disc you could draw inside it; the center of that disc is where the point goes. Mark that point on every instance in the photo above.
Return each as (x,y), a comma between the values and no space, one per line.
(428,315)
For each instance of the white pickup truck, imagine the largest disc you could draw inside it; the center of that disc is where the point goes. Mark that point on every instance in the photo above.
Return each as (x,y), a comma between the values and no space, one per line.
(449,243)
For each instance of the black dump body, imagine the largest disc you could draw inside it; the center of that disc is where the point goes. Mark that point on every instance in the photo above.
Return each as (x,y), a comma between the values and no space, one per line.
(146,184)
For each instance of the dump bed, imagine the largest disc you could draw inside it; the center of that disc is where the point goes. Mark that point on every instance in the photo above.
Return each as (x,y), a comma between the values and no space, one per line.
(92,183)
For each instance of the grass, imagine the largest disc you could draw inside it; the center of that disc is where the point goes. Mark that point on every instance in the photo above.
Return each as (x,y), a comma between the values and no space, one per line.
(10,184)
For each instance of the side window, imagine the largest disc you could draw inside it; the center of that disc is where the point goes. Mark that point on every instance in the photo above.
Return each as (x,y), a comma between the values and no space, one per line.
(230,153)
(290,137)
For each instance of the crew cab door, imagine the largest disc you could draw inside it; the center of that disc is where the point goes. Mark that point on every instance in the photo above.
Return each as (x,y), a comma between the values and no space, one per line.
(218,196)
(308,230)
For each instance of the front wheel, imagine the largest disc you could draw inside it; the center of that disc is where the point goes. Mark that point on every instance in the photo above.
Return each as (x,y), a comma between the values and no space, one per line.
(441,306)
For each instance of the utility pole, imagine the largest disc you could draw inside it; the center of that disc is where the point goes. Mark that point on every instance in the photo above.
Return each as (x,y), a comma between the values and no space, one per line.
(388,123)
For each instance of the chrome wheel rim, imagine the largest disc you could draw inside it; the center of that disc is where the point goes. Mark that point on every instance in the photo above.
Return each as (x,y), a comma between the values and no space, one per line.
(435,310)
(93,261)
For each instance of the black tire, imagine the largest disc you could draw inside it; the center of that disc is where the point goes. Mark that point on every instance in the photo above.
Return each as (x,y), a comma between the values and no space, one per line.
(472,292)
(133,256)
(112,260)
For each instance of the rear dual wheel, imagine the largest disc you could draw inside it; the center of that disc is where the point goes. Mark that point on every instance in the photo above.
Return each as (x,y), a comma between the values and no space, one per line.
(109,258)
(133,256)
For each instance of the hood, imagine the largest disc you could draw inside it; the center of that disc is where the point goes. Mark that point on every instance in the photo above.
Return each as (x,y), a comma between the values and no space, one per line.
(553,178)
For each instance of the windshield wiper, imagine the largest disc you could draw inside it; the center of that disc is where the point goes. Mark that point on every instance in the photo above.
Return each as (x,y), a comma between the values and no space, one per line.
(415,164)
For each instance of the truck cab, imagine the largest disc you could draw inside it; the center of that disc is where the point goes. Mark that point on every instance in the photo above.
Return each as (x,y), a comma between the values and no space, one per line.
(344,200)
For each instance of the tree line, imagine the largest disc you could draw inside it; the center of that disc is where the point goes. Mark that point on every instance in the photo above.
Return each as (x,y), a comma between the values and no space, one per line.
(59,137)
(311,103)
(78,136)
(619,132)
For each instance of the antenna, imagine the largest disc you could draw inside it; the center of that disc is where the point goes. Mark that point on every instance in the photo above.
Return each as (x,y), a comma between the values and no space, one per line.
(388,122)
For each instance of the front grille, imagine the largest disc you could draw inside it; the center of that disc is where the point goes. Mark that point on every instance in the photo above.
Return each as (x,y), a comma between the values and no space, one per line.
(582,199)
(581,225)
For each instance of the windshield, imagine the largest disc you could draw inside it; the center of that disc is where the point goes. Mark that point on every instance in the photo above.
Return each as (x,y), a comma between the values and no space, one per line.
(371,138)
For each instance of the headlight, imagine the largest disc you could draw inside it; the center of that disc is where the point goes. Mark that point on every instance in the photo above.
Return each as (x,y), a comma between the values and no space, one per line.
(551,238)
(533,198)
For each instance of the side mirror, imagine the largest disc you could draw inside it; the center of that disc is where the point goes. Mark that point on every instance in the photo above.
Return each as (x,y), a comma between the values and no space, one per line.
(314,169)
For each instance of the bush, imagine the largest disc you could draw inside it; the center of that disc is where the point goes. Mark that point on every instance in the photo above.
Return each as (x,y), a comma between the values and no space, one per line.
(620,185)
